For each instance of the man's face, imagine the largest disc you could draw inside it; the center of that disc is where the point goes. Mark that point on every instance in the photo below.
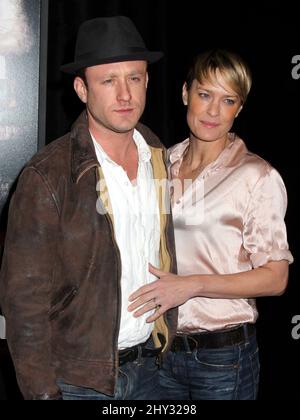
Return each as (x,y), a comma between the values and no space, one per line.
(115,95)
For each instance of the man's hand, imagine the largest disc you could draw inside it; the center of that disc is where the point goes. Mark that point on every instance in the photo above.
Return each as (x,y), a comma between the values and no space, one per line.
(169,291)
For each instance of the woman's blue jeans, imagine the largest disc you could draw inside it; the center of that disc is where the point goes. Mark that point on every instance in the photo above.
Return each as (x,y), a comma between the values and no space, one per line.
(228,373)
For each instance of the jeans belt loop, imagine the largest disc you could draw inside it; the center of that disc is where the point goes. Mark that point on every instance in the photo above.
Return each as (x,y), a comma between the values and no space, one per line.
(139,355)
(245,328)
(186,344)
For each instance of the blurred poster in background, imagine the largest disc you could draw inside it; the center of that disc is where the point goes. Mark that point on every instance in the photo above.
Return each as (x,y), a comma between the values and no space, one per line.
(22,77)
(23,56)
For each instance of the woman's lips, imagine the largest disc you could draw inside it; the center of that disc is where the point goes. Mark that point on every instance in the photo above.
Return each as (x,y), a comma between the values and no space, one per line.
(208,124)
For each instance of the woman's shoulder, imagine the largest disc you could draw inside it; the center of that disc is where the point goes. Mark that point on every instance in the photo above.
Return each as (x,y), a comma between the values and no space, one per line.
(250,168)
(255,163)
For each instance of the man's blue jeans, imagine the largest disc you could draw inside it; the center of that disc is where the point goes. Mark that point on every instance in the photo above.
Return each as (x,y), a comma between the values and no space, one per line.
(229,373)
(138,380)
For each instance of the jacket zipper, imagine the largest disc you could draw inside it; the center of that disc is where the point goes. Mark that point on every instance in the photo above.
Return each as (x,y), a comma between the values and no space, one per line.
(119,297)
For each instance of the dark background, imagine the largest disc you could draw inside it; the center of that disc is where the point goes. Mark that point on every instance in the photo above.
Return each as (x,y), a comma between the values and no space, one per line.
(266,34)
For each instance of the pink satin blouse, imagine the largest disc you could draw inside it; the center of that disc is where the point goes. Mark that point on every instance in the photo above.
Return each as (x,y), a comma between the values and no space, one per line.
(230,220)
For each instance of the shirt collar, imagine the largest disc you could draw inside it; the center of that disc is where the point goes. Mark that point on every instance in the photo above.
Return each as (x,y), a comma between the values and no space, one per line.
(176,152)
(143,149)
(234,150)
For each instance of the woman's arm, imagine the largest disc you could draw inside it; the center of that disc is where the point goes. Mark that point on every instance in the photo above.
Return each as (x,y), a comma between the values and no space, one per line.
(172,290)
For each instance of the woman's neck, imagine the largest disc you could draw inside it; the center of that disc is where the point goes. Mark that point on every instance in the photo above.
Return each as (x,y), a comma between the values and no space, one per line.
(200,154)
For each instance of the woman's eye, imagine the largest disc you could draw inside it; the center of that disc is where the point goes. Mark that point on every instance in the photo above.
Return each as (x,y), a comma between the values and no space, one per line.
(230,101)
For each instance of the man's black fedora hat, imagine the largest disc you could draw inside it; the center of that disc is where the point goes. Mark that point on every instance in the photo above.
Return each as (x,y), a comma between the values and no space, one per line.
(109,40)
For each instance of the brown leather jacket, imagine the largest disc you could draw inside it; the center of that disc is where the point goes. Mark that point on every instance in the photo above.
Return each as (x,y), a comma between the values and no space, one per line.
(60,277)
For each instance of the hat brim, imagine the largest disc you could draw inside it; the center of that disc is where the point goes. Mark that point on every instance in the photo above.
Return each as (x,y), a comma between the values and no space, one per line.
(149,56)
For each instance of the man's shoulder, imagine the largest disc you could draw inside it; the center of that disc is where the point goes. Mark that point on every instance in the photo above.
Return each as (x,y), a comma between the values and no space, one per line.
(53,155)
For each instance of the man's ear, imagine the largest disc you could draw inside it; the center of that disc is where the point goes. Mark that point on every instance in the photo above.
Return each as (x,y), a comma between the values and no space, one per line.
(80,89)
(185,94)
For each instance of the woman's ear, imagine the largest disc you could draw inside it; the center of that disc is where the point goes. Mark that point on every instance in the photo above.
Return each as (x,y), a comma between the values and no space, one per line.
(239,110)
(185,94)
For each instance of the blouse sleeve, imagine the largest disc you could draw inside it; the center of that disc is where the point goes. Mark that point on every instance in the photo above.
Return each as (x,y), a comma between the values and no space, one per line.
(264,235)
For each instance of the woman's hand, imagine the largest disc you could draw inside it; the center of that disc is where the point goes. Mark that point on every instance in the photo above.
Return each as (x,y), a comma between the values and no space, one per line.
(169,291)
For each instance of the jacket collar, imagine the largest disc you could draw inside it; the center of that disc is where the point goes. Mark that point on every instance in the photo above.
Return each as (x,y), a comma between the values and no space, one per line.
(83,155)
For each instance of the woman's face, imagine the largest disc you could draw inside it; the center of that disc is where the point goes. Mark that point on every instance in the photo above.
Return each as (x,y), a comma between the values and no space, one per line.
(212,108)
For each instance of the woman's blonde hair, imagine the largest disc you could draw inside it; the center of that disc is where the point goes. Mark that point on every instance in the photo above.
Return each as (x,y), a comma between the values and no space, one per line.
(231,66)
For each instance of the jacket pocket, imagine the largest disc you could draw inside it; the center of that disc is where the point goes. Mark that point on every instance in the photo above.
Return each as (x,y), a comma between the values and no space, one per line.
(60,304)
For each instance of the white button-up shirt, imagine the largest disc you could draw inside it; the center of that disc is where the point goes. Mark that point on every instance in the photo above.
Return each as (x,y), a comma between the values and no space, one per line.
(137,233)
